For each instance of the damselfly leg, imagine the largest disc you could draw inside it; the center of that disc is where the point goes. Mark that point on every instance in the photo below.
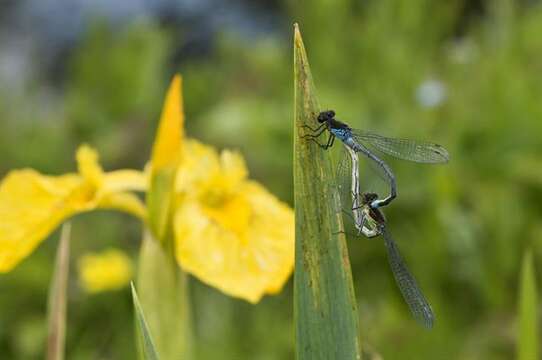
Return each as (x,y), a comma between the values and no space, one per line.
(330,139)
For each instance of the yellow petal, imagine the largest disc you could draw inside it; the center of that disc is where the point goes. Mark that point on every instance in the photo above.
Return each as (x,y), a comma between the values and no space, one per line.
(245,263)
(199,164)
(166,154)
(31,207)
(109,270)
(125,180)
(232,214)
(234,167)
(166,151)
(277,236)
(126,202)
(89,168)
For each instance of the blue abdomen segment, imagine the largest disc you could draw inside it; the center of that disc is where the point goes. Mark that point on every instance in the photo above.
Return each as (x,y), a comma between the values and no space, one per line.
(342,134)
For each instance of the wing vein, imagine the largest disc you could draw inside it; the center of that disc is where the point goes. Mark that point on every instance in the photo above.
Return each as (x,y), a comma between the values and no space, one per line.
(419,307)
(405,149)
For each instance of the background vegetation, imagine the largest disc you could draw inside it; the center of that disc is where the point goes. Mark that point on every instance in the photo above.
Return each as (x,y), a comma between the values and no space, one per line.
(464,74)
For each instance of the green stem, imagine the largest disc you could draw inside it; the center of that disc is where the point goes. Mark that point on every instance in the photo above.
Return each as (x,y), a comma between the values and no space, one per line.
(163,293)
(528,314)
(57,298)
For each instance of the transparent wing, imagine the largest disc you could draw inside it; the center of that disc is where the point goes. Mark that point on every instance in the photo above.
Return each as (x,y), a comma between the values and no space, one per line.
(343,180)
(379,171)
(411,150)
(407,284)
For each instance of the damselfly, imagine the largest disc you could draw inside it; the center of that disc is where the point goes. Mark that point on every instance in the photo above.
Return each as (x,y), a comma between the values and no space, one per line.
(371,222)
(374,223)
(357,140)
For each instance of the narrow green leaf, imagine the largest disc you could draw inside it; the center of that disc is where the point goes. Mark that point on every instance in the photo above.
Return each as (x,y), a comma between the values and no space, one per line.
(528,316)
(159,198)
(163,293)
(147,347)
(325,305)
(56,307)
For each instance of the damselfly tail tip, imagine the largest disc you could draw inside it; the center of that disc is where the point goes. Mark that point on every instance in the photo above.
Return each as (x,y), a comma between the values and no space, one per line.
(427,318)
(428,324)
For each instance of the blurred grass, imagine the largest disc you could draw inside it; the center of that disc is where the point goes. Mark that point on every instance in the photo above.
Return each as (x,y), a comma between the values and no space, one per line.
(464,226)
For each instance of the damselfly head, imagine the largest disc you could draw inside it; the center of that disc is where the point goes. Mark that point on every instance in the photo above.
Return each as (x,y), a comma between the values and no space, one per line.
(368,197)
(325,116)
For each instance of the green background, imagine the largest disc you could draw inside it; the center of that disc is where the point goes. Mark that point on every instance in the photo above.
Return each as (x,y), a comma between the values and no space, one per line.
(462,228)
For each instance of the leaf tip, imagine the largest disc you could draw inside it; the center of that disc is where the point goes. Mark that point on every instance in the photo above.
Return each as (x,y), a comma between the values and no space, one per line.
(297,36)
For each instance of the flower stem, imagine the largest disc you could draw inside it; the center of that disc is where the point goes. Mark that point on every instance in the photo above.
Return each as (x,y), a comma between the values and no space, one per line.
(163,293)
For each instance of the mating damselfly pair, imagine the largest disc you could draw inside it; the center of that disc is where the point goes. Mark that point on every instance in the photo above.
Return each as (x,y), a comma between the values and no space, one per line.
(364,207)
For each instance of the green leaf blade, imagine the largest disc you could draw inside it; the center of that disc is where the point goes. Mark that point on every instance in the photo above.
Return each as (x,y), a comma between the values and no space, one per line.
(145,341)
(325,305)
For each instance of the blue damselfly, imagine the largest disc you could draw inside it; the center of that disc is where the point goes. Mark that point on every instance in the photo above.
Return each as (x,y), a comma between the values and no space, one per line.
(360,141)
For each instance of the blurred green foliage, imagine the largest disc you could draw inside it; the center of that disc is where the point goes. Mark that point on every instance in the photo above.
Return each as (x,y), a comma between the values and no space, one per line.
(462,227)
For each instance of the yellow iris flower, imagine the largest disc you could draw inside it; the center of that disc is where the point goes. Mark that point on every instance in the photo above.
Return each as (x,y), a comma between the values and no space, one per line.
(109,270)
(229,231)
(32,205)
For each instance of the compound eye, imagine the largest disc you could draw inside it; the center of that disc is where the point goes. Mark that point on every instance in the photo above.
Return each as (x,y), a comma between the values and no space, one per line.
(321,117)
(331,113)
(370,197)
